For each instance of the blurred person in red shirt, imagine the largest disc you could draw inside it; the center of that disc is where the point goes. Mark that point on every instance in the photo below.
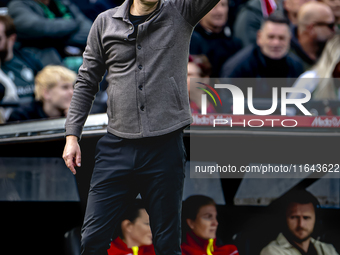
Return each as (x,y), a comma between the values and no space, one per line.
(200,226)
(134,235)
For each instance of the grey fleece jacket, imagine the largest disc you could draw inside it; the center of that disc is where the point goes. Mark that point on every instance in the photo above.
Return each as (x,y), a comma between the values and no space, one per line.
(147,92)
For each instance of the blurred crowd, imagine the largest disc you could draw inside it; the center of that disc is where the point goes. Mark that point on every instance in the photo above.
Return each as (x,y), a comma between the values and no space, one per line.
(295,39)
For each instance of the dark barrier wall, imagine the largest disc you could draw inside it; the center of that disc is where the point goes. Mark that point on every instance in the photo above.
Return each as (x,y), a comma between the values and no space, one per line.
(39,226)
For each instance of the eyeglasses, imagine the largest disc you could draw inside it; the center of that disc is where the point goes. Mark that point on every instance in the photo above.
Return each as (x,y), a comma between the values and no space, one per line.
(329,25)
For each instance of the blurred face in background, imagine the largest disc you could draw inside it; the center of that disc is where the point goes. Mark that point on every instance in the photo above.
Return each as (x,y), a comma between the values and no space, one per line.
(3,43)
(292,7)
(216,19)
(193,72)
(335,6)
(138,232)
(324,25)
(205,224)
(59,96)
(300,221)
(274,40)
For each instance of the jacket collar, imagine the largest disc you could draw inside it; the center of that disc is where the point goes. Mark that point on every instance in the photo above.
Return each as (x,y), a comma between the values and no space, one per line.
(119,243)
(124,9)
(266,61)
(260,56)
(195,241)
(282,241)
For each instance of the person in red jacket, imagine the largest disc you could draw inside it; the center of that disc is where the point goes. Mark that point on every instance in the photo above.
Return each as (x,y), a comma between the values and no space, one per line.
(134,237)
(198,67)
(200,226)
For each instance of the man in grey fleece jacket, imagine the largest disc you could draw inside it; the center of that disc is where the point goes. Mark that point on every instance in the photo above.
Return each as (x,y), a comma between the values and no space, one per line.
(144,46)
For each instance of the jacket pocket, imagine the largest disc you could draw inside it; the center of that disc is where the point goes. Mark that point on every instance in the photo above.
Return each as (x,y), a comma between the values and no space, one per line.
(110,100)
(176,93)
(161,35)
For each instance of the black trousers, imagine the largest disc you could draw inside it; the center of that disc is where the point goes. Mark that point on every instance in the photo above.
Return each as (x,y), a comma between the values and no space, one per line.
(153,167)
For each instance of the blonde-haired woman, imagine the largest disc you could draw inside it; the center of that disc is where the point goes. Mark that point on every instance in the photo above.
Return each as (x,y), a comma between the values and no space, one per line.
(53,93)
(324,78)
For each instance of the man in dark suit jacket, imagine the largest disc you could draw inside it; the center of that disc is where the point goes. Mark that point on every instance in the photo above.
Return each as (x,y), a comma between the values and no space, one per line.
(268,59)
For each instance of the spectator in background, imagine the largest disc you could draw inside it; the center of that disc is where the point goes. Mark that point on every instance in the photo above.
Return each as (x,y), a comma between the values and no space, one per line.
(335,6)
(19,64)
(291,9)
(8,96)
(250,17)
(323,80)
(212,38)
(8,89)
(268,59)
(135,235)
(299,218)
(200,226)
(53,93)
(315,26)
(198,67)
(50,23)
(91,9)
(2,94)
(2,91)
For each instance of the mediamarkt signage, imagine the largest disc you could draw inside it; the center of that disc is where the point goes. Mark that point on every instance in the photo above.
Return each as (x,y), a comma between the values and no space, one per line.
(238,104)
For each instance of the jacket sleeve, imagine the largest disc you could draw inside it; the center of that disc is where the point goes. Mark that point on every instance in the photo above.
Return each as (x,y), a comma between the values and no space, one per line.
(194,10)
(272,250)
(329,249)
(87,85)
(31,25)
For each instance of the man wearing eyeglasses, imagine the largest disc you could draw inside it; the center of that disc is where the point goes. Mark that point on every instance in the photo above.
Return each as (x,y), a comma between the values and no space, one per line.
(314,27)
